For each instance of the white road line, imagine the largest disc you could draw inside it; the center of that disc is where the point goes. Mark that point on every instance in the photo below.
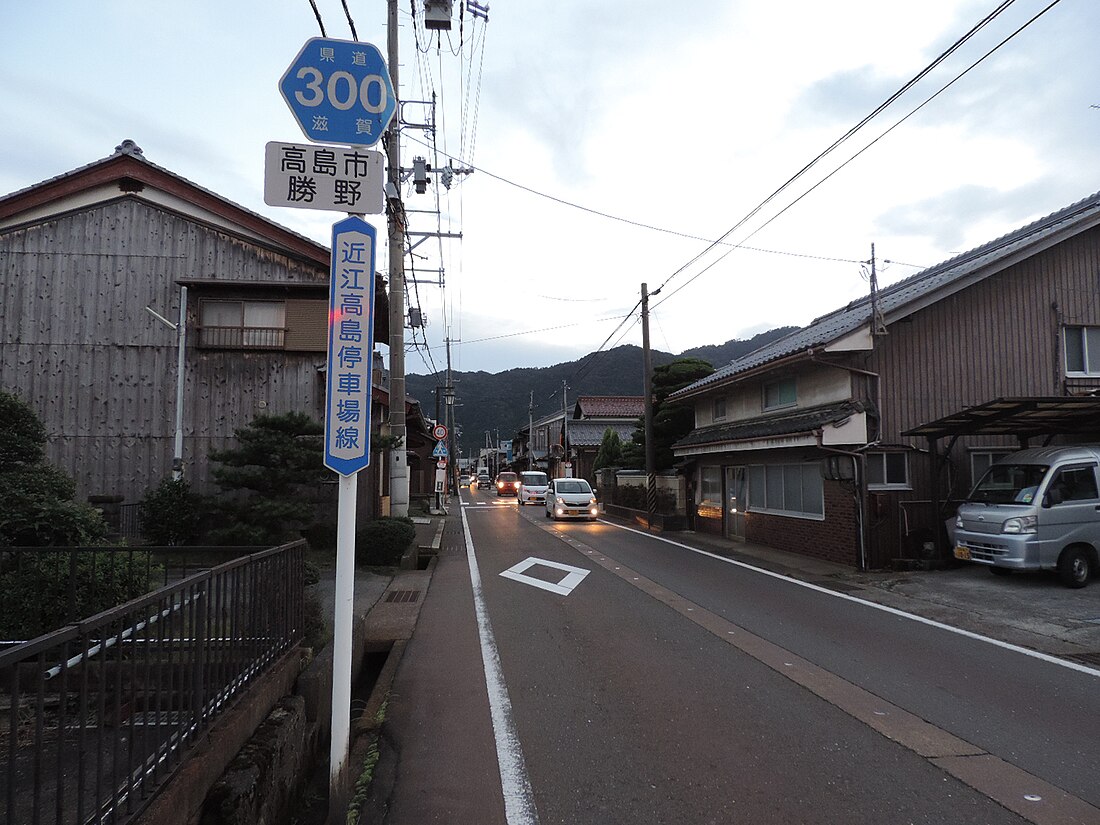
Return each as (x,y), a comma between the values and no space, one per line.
(519,799)
(1054,660)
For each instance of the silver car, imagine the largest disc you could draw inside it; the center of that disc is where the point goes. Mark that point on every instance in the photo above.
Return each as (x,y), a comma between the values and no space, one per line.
(1035,510)
(571,498)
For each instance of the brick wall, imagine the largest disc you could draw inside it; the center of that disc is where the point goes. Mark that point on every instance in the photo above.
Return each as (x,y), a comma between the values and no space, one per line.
(833,539)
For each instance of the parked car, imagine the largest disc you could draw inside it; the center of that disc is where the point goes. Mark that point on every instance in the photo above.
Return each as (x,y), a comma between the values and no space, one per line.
(507,484)
(571,498)
(532,488)
(1035,510)
(483,481)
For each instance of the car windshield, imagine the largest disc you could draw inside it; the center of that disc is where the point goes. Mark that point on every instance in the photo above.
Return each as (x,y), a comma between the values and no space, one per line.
(574,486)
(533,479)
(1009,484)
(506,477)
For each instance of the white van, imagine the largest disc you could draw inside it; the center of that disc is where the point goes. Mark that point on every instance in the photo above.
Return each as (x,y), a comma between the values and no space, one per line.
(532,487)
(1035,510)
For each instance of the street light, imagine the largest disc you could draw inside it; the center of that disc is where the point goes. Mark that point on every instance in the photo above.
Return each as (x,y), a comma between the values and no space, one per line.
(181,336)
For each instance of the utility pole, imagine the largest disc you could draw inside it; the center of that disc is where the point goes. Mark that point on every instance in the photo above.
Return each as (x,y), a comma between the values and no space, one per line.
(399,468)
(531,432)
(449,411)
(565,426)
(647,385)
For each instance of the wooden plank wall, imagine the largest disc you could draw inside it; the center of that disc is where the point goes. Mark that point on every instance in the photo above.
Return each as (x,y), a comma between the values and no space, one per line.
(77,344)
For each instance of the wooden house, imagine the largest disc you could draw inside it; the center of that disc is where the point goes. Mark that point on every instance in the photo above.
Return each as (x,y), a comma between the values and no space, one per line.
(90,258)
(849,439)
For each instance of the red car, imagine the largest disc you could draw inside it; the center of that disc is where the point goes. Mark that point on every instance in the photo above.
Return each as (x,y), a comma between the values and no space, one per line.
(507,484)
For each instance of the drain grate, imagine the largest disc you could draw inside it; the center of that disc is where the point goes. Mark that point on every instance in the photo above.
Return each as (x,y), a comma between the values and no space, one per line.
(403,596)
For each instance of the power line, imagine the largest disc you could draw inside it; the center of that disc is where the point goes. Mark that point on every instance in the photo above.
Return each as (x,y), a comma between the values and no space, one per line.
(317,14)
(630,222)
(351,23)
(848,134)
(902,120)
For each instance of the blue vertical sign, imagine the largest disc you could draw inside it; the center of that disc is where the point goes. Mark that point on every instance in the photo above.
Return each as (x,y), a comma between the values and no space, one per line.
(350,347)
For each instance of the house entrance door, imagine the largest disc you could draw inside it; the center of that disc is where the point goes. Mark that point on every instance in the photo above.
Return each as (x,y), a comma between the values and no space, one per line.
(736,501)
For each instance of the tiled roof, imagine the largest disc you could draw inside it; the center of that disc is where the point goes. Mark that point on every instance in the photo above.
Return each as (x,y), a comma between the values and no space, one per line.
(590,433)
(611,406)
(914,291)
(128,151)
(804,421)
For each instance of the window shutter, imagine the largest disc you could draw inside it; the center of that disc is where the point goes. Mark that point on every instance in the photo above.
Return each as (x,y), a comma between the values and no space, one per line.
(306,330)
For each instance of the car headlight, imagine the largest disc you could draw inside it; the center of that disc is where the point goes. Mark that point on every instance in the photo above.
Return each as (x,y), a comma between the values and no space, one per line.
(1021,524)
(959,522)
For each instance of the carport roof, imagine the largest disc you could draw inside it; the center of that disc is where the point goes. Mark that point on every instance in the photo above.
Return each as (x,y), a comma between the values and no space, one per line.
(1025,418)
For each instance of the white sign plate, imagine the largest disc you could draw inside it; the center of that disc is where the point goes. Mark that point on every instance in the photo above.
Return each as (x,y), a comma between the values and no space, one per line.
(350,343)
(332,178)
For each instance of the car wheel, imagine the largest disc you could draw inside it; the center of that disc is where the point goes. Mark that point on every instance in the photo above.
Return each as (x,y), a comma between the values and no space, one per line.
(1000,571)
(1074,567)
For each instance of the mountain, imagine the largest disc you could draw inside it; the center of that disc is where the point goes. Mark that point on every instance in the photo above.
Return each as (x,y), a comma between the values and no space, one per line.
(498,402)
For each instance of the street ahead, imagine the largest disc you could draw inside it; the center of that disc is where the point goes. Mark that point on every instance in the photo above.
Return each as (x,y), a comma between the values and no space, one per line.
(615,677)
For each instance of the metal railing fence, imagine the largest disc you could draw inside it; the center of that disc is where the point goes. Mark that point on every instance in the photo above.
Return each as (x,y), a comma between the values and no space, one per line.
(96,715)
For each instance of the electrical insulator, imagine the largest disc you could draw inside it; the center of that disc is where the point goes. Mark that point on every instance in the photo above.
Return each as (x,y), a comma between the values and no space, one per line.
(446,176)
(420,175)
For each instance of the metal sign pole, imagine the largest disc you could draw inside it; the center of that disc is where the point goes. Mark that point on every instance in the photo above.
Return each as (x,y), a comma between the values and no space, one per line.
(341,640)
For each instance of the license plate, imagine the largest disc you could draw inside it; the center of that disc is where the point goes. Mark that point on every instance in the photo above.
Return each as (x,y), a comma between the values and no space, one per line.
(962,552)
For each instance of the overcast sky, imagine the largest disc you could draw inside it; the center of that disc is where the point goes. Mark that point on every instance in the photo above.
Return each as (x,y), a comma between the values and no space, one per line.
(611,142)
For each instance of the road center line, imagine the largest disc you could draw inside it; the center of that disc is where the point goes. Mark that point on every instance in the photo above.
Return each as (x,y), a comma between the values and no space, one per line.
(519,800)
(989,775)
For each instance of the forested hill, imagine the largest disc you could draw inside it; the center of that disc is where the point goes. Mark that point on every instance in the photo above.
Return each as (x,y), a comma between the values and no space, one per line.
(497,402)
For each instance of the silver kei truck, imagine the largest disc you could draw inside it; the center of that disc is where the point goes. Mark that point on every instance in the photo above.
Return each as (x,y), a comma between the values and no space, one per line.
(1035,510)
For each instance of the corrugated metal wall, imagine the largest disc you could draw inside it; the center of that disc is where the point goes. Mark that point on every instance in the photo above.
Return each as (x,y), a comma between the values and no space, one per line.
(77,344)
(998,338)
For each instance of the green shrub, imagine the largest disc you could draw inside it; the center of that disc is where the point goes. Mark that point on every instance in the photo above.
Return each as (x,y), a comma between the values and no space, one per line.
(38,597)
(321,537)
(311,573)
(382,542)
(170,513)
(634,497)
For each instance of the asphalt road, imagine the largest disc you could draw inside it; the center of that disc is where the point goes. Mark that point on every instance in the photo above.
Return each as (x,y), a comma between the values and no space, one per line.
(614,677)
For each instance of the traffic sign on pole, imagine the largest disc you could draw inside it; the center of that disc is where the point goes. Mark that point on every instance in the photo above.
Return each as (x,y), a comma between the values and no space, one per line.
(324,177)
(350,344)
(439,431)
(340,92)
(440,450)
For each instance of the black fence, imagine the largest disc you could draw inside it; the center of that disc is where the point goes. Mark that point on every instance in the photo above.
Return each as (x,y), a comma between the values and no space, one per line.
(96,715)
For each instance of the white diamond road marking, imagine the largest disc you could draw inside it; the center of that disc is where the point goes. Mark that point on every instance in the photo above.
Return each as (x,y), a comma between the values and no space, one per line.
(573,577)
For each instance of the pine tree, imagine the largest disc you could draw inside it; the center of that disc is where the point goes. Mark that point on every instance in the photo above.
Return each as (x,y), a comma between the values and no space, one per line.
(273,477)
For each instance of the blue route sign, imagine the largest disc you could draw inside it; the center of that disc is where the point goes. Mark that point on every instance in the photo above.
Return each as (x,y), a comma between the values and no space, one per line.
(350,345)
(340,92)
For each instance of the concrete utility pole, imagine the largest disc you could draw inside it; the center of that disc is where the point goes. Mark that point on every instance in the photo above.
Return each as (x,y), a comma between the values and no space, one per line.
(452,436)
(399,467)
(531,432)
(565,427)
(647,388)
